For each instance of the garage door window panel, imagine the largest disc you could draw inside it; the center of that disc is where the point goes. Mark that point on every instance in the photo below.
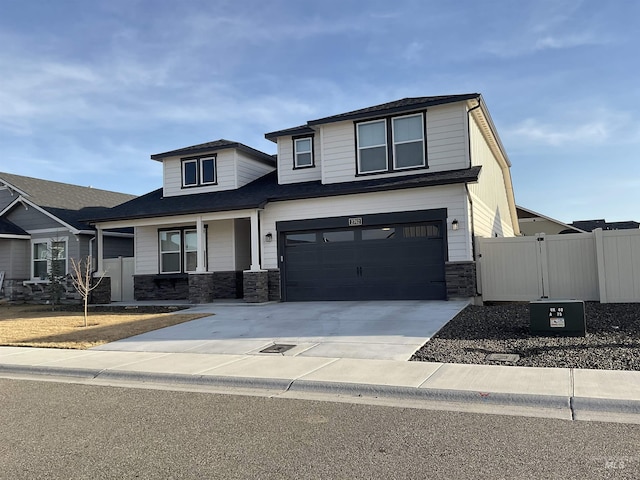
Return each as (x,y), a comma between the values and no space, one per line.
(338,236)
(383,233)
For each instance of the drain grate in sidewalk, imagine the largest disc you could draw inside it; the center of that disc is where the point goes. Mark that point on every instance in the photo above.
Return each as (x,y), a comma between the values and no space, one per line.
(277,348)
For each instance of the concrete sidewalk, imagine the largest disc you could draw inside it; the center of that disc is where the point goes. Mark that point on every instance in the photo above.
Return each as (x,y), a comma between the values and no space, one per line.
(550,392)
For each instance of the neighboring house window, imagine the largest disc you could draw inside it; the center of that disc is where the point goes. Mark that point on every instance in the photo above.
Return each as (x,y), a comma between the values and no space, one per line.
(179,250)
(40,260)
(49,257)
(408,142)
(399,139)
(303,152)
(199,171)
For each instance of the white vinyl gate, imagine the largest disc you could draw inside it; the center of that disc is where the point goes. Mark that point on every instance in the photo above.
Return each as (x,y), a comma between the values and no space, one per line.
(120,270)
(598,266)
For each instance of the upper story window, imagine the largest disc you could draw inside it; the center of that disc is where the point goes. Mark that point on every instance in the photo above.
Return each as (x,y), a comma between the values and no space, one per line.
(303,152)
(399,139)
(372,147)
(408,142)
(199,171)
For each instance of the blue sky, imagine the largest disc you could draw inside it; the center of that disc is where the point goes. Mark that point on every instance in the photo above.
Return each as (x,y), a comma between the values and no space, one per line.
(90,89)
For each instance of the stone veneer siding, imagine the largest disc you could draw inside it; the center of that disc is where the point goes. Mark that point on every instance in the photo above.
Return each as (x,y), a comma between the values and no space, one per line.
(256,286)
(14,291)
(161,287)
(274,285)
(460,278)
(227,284)
(201,287)
(102,293)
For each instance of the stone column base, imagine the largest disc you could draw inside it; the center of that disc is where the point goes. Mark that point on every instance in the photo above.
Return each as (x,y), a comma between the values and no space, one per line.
(201,287)
(460,278)
(102,293)
(256,286)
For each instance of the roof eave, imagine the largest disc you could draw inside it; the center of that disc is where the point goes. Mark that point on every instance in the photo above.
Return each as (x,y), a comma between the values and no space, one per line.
(393,110)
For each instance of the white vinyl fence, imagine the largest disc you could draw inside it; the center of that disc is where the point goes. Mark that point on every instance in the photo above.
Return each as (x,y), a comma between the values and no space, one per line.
(598,266)
(120,270)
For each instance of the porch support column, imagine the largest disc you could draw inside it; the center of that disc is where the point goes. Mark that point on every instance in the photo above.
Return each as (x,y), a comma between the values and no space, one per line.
(255,242)
(200,266)
(100,238)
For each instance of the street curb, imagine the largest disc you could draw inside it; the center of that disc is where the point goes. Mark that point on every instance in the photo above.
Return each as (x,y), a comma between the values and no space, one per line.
(608,405)
(187,379)
(433,394)
(577,405)
(52,371)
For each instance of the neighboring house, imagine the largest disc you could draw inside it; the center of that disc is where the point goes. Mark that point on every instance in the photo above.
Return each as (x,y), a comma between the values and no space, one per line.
(590,225)
(41,228)
(379,203)
(533,223)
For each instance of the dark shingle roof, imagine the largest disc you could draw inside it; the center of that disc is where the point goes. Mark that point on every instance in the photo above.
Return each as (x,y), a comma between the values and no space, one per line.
(266,189)
(67,202)
(397,106)
(299,130)
(590,225)
(216,145)
(8,228)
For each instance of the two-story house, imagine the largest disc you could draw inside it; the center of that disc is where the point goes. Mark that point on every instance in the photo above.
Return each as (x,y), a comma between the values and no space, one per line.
(378,203)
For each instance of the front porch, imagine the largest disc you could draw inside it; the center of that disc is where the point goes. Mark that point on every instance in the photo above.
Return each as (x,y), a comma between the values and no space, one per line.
(199,258)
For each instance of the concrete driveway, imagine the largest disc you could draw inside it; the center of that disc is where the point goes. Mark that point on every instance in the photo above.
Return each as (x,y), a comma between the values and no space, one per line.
(368,330)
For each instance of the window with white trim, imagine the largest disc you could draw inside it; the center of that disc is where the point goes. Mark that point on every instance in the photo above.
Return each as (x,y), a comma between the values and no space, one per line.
(49,258)
(40,266)
(190,173)
(179,250)
(408,142)
(170,251)
(372,147)
(190,250)
(391,144)
(199,171)
(303,152)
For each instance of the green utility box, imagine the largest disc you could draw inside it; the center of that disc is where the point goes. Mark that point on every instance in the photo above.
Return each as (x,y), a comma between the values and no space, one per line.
(563,317)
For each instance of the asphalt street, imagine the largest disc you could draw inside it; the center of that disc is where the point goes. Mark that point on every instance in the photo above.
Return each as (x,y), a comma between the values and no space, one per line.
(61,430)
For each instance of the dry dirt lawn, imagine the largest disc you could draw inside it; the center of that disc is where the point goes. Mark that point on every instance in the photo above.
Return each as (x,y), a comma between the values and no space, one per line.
(39,326)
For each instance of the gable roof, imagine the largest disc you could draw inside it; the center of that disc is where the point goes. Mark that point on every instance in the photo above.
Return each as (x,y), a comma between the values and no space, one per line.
(8,228)
(525,213)
(216,145)
(64,201)
(266,189)
(397,106)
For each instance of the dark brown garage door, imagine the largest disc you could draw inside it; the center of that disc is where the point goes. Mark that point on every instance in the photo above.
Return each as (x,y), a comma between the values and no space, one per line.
(383,262)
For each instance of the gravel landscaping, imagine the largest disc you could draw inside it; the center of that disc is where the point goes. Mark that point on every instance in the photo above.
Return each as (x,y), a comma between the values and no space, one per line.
(612,341)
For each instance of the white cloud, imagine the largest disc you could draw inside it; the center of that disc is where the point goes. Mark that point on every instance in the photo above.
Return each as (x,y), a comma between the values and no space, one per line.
(571,129)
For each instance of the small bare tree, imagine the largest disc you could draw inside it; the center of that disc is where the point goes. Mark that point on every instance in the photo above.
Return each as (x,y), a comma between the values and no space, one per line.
(82,281)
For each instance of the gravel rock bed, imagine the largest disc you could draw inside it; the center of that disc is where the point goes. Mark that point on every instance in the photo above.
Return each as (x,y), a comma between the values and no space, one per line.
(612,341)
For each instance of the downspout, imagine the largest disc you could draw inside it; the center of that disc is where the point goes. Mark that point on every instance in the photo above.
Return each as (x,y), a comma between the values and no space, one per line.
(91,241)
(473,234)
(466,187)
